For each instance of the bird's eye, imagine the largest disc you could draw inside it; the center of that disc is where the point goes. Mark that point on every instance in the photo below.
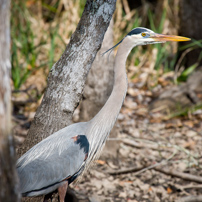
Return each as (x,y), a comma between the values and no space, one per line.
(143,34)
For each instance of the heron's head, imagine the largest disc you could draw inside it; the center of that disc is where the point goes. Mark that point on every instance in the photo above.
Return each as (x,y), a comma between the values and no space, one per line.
(142,36)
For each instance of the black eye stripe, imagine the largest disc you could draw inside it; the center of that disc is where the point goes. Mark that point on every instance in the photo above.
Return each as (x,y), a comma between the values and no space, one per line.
(137,31)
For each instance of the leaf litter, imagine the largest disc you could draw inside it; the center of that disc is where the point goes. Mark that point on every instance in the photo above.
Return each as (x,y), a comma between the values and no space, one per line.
(148,144)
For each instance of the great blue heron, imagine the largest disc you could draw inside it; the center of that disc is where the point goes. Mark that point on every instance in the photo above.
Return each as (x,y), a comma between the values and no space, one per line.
(59,159)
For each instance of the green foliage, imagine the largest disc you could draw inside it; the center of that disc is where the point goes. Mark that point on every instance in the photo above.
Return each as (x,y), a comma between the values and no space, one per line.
(23,50)
(26,46)
(194,45)
(191,46)
(49,7)
(163,55)
(183,77)
(185,111)
(82,4)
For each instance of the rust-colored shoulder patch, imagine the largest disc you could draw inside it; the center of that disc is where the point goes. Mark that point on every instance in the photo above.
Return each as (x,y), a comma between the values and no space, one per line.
(75,138)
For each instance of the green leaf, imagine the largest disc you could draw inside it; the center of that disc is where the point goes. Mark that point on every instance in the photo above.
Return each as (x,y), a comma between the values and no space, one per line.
(187,72)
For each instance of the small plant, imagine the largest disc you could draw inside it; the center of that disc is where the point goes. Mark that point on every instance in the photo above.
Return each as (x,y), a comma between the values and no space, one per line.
(163,55)
(184,74)
(185,111)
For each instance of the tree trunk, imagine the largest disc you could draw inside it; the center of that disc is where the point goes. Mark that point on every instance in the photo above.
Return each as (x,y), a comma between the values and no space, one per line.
(190,26)
(8,175)
(67,77)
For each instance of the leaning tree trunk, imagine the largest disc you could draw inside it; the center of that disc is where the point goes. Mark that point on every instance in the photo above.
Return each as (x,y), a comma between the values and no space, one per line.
(67,77)
(190,26)
(8,175)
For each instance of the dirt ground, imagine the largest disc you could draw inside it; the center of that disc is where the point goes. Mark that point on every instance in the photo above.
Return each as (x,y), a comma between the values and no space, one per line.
(156,160)
(152,158)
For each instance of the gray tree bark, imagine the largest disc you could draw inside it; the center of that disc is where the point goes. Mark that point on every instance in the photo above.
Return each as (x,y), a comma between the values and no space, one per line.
(8,175)
(67,77)
(190,26)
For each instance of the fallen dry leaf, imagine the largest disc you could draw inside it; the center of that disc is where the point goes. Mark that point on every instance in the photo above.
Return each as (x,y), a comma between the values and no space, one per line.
(189,145)
(169,190)
(100,162)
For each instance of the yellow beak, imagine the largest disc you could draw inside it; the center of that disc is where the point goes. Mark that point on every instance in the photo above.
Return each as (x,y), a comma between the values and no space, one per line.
(163,37)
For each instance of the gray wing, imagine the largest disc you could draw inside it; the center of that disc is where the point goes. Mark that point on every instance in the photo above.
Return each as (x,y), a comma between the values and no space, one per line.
(51,161)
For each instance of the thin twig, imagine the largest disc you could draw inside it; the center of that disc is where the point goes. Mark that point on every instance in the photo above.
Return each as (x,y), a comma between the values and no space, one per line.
(194,186)
(178,174)
(150,167)
(177,67)
(191,199)
(142,145)
(125,171)
(136,169)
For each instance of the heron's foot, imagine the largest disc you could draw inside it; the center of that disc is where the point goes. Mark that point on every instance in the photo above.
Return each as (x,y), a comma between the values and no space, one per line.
(62,191)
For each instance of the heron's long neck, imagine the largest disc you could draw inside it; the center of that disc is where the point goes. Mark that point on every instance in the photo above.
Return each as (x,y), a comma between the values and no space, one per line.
(104,121)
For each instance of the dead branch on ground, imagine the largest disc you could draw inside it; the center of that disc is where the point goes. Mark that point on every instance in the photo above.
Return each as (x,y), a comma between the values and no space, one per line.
(191,199)
(184,176)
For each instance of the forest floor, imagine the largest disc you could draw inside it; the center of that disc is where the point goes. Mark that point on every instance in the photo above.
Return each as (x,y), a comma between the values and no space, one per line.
(157,160)
(153,158)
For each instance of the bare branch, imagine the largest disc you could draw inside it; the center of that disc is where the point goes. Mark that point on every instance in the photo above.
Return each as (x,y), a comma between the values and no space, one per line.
(191,199)
(179,174)
(125,171)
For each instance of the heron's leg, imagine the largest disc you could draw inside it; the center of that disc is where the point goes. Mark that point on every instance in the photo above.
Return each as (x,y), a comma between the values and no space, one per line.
(62,191)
